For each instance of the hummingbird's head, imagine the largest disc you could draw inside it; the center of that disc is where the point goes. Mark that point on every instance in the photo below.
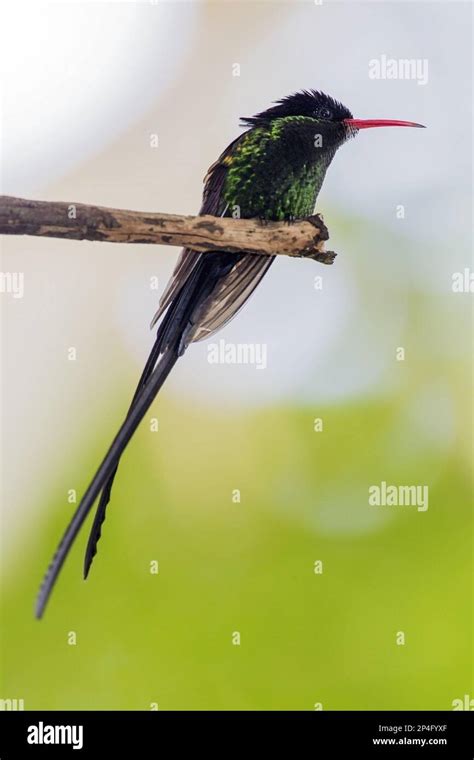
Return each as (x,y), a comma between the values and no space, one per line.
(331,117)
(326,114)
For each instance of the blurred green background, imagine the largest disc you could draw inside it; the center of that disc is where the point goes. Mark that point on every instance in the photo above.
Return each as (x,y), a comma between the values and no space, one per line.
(306,638)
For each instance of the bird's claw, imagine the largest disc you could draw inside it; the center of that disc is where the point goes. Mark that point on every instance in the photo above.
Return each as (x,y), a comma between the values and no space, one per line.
(317,221)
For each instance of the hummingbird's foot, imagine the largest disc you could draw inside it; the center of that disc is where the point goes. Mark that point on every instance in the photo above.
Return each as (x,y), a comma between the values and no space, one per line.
(317,221)
(263,220)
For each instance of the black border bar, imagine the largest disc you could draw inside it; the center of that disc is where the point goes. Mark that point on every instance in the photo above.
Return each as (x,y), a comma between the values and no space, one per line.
(324,734)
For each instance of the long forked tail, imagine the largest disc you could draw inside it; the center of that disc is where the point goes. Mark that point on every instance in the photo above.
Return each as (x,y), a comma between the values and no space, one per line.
(138,410)
(173,336)
(99,516)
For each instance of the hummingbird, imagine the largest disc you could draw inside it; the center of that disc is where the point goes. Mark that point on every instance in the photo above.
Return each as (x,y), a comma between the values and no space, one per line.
(273,171)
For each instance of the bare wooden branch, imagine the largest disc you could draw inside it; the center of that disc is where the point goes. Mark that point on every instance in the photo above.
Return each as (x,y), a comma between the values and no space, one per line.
(77,221)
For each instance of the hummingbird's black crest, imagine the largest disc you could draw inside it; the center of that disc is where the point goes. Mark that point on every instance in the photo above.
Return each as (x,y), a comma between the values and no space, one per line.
(312,103)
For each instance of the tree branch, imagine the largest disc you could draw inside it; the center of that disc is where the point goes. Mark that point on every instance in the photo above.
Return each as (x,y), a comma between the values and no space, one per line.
(77,221)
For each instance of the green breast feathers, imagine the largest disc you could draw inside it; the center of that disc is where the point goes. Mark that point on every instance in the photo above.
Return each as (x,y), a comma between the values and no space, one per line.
(276,172)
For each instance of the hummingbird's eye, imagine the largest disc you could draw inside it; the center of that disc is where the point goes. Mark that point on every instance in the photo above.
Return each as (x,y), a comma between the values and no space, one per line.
(323,113)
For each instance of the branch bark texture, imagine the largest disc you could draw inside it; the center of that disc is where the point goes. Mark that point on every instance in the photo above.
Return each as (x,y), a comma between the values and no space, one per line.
(206,234)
